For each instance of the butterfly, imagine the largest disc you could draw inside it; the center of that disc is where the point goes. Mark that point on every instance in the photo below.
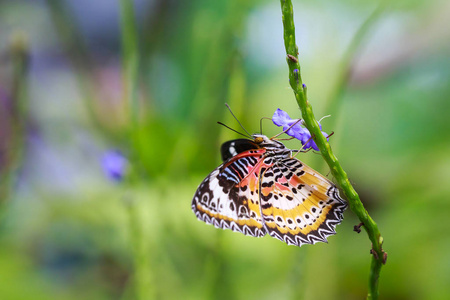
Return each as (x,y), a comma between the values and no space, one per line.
(261,188)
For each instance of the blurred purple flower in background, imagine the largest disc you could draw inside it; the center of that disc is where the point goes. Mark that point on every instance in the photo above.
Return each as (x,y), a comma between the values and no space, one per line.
(281,118)
(114,164)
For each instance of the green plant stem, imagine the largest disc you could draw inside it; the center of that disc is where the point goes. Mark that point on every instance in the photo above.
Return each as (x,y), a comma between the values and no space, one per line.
(130,76)
(130,67)
(344,71)
(12,145)
(75,47)
(325,149)
(143,286)
(130,58)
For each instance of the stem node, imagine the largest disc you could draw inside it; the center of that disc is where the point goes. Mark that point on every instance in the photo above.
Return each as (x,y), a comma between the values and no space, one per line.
(357,228)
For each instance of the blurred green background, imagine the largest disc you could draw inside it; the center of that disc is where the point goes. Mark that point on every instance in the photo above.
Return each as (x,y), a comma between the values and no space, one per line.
(77,80)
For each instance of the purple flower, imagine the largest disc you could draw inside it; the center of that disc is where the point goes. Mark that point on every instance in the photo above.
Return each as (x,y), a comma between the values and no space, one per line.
(281,118)
(114,165)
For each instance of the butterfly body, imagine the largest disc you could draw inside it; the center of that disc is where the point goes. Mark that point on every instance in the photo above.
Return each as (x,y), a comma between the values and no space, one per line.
(262,189)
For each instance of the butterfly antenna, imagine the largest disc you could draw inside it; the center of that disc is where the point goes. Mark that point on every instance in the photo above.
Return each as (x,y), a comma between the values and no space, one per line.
(233,129)
(260,123)
(303,147)
(300,150)
(284,131)
(226,104)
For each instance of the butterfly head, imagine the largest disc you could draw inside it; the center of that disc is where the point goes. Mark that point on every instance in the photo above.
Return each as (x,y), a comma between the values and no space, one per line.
(234,147)
(263,141)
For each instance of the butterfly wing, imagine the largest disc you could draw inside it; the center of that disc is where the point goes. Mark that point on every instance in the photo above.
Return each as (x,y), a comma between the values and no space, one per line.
(229,197)
(299,206)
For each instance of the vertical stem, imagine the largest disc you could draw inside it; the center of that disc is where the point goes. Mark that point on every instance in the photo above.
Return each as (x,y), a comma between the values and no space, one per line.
(325,149)
(77,52)
(12,144)
(374,275)
(142,276)
(130,56)
(130,66)
(344,71)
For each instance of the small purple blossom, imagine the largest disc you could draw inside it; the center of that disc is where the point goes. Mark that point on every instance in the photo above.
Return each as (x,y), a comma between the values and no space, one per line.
(114,165)
(281,118)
